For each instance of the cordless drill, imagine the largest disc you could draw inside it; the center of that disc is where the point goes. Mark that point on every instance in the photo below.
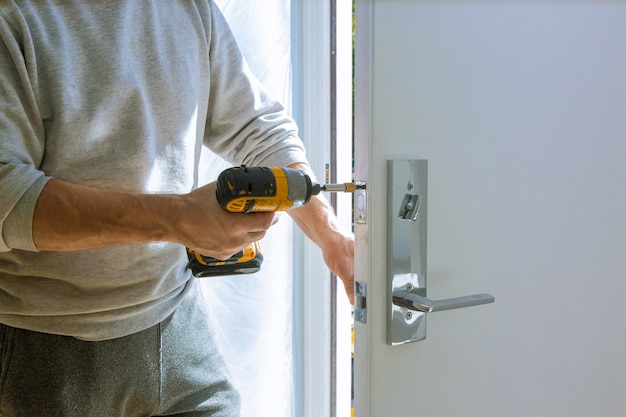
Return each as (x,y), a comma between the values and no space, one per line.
(257,189)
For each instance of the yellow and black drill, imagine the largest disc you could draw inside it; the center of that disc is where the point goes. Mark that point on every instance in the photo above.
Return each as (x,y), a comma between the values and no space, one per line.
(256,189)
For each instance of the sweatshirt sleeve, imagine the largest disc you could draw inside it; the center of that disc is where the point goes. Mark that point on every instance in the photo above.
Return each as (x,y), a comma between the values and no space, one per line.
(21,138)
(244,124)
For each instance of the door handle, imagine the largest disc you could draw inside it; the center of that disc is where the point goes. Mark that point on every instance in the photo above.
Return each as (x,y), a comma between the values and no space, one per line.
(407,188)
(415,302)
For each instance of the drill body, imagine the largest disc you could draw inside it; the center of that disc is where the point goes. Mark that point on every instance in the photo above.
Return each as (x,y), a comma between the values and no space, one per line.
(256,189)
(247,190)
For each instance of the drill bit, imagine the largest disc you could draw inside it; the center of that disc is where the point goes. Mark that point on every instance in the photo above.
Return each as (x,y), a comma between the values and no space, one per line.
(344,187)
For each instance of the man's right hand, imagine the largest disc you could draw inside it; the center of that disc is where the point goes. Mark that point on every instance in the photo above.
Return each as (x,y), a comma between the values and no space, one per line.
(212,231)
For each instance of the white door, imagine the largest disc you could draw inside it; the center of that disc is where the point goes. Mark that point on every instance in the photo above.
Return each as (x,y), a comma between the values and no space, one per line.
(520,109)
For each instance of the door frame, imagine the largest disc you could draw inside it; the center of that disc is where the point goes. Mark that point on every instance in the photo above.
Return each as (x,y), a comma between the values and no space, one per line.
(362,142)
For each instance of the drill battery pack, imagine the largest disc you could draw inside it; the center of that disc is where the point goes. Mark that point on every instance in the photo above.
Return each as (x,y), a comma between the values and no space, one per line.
(246,261)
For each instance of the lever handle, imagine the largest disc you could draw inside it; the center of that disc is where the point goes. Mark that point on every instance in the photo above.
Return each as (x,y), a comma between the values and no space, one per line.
(415,302)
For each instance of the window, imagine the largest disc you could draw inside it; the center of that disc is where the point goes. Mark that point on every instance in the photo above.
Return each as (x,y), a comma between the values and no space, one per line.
(322,106)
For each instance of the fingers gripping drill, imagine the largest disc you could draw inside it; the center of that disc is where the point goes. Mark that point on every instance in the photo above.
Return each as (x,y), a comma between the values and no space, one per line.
(256,189)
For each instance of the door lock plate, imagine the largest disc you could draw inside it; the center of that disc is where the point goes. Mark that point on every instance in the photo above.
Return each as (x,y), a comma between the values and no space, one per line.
(406,245)
(406,255)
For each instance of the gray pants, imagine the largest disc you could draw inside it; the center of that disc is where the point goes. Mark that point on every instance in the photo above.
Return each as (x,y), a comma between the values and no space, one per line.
(170,369)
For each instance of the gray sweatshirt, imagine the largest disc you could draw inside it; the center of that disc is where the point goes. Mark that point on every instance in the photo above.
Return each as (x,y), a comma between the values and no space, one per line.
(116,95)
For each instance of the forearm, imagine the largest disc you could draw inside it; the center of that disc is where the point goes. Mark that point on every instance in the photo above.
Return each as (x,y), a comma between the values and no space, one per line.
(73,217)
(318,221)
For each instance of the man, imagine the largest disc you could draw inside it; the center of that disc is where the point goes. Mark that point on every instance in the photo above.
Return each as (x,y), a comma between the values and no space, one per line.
(104,107)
